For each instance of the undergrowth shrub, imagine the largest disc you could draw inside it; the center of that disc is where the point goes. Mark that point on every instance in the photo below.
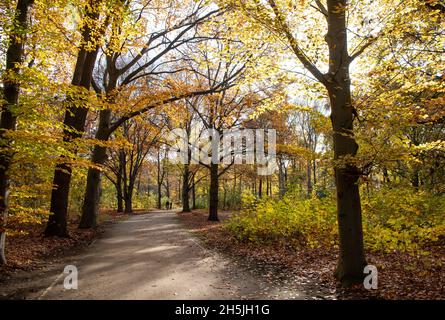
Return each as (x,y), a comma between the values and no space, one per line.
(393,219)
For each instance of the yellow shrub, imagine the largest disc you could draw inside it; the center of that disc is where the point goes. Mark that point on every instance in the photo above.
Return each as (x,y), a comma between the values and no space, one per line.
(393,219)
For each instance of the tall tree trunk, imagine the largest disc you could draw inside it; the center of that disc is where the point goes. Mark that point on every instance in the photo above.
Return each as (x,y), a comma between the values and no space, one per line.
(214,188)
(91,201)
(159,182)
(186,189)
(281,178)
(3,260)
(92,192)
(8,121)
(352,258)
(225,198)
(74,126)
(159,202)
(314,172)
(179,193)
(120,196)
(309,178)
(193,195)
(167,186)
(233,199)
(119,193)
(129,200)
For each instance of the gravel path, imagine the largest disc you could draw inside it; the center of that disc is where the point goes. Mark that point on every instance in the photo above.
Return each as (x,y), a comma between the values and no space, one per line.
(152,256)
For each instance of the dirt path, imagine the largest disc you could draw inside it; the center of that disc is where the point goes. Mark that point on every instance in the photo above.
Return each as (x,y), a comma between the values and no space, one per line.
(152,256)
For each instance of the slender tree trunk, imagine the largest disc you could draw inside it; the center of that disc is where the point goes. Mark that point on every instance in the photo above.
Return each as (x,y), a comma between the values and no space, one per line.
(225,198)
(233,200)
(3,231)
(91,202)
(167,186)
(309,178)
(159,204)
(138,185)
(352,258)
(8,121)
(159,182)
(281,179)
(120,204)
(214,188)
(193,195)
(314,172)
(186,189)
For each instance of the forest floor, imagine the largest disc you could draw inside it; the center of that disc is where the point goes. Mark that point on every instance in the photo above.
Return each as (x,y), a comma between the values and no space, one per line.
(31,249)
(401,276)
(31,253)
(153,256)
(171,255)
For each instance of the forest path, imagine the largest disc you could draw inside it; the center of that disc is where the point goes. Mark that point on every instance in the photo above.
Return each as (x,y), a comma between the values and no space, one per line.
(152,256)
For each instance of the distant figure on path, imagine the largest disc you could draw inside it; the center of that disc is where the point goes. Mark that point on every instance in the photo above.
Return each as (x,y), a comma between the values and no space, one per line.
(167,205)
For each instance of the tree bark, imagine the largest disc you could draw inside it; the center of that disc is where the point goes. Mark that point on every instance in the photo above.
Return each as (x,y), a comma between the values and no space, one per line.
(186,189)
(8,121)
(314,172)
(91,202)
(352,259)
(129,201)
(193,195)
(309,178)
(159,182)
(74,126)
(214,188)
(120,204)
(281,178)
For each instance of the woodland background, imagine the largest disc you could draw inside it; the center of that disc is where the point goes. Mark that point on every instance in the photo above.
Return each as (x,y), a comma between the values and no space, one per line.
(355,90)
